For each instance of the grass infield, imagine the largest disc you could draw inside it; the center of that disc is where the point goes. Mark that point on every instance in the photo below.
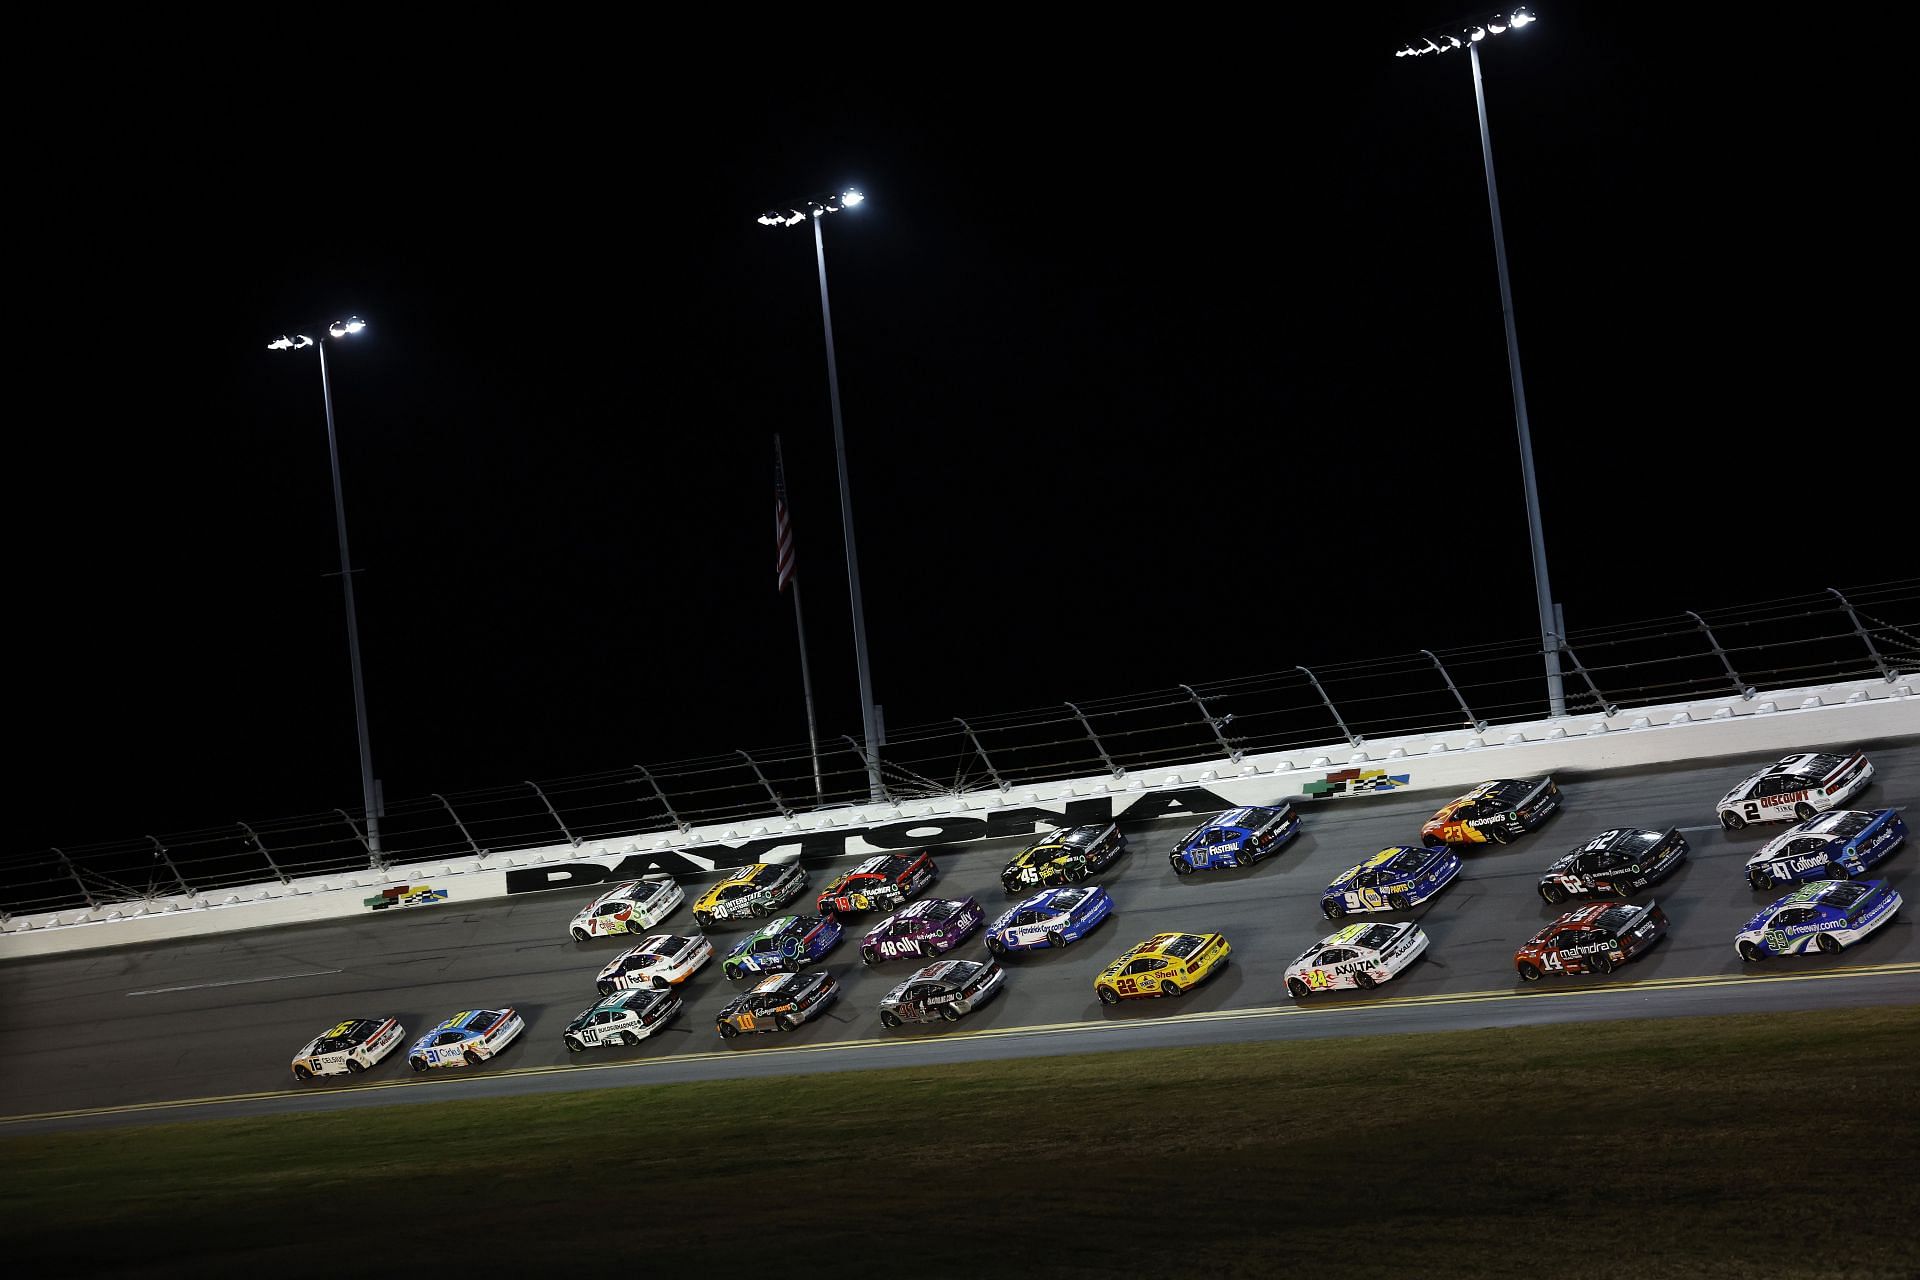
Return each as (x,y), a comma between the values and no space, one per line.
(1772,1144)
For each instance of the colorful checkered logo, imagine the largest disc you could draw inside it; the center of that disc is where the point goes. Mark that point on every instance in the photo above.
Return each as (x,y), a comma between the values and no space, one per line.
(1352,782)
(406,895)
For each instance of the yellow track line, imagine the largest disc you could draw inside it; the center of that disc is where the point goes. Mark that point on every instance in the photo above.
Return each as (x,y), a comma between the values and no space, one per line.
(1044,1029)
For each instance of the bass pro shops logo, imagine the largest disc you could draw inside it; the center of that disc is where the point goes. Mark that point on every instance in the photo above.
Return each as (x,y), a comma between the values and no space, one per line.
(1353,782)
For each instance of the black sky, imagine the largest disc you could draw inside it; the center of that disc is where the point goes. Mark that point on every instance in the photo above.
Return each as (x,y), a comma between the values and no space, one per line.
(1166,355)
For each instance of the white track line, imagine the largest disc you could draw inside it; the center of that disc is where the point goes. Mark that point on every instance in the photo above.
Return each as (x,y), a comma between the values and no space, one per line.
(230,982)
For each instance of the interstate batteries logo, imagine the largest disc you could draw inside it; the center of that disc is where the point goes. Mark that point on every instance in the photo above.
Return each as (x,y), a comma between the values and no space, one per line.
(1353,782)
(406,895)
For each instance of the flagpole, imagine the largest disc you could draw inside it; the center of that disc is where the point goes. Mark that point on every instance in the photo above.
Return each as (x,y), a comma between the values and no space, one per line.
(799,624)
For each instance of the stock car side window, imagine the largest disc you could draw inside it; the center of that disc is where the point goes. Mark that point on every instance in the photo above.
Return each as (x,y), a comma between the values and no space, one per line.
(1806,846)
(608,908)
(1138,966)
(1334,956)
(1793,915)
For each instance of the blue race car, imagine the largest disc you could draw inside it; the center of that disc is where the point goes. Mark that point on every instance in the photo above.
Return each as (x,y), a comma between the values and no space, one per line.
(1391,880)
(1828,914)
(1236,838)
(784,945)
(1837,845)
(1050,918)
(466,1039)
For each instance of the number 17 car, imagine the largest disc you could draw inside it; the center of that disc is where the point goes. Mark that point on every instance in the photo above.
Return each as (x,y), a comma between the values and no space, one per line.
(1236,838)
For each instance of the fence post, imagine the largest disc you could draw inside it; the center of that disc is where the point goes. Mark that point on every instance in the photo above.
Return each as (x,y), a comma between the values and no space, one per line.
(1215,723)
(478,852)
(1479,725)
(1866,638)
(74,871)
(375,862)
(778,803)
(665,803)
(981,751)
(572,839)
(1353,738)
(1093,737)
(261,847)
(1744,689)
(1608,708)
(160,850)
(873,770)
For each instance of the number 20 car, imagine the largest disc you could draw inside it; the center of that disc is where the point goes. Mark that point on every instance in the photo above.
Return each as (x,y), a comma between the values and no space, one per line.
(1166,964)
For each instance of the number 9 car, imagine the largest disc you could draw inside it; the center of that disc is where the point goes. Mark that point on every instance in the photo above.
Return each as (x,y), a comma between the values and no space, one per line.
(1391,880)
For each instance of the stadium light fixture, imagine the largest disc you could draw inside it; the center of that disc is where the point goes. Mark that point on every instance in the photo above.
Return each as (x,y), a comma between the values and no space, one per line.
(1447,38)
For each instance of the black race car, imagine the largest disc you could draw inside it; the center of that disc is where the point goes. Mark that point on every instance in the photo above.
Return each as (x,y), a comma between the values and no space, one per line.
(779,1003)
(1493,813)
(1062,855)
(1615,863)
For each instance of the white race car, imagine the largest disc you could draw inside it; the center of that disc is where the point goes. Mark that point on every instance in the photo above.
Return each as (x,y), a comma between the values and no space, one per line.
(468,1038)
(348,1049)
(627,1018)
(661,961)
(627,908)
(1799,786)
(1360,955)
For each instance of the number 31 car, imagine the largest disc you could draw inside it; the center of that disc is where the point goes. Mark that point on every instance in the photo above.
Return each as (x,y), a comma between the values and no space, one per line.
(348,1049)
(1164,965)
(1360,955)
(1837,845)
(1828,914)
(1799,786)
(1236,838)
(1391,880)
(466,1039)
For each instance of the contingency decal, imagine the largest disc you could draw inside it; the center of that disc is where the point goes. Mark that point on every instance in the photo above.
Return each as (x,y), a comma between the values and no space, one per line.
(1351,782)
(406,895)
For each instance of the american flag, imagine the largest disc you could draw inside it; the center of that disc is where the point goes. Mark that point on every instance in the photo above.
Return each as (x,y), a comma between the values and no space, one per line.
(782,525)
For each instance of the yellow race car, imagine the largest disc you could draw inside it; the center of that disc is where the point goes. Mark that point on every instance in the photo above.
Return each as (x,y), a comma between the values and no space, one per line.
(1164,965)
(758,889)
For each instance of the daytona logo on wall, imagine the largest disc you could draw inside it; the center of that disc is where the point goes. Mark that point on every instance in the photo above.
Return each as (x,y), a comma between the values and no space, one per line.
(406,895)
(1353,782)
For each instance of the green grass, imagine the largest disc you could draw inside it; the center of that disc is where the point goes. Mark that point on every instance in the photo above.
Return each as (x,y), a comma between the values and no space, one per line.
(1775,1145)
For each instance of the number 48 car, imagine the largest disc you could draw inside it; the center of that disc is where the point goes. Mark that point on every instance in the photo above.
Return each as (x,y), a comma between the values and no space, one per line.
(1360,955)
(1236,838)
(930,927)
(1837,845)
(1828,914)
(466,1039)
(348,1049)
(1799,786)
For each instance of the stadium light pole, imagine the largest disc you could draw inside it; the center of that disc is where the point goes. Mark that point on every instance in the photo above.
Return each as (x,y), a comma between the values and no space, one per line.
(341,329)
(1470,35)
(815,210)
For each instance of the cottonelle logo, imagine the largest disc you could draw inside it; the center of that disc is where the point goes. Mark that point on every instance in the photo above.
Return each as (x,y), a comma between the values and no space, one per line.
(819,847)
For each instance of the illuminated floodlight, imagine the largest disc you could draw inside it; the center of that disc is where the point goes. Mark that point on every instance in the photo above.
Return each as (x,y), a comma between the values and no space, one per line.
(1476,34)
(341,328)
(284,343)
(1520,17)
(1468,33)
(851,198)
(815,207)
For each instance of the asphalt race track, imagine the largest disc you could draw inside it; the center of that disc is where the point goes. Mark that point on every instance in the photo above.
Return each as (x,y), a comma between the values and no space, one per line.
(206,1027)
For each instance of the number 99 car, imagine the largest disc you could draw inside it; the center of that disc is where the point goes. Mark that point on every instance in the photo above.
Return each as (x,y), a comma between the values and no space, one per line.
(1828,914)
(1166,964)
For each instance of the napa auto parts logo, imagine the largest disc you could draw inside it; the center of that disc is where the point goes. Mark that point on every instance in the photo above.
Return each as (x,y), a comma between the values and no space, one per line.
(1353,782)
(406,895)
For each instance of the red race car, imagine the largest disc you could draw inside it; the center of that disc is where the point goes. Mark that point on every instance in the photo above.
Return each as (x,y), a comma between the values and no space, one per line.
(1594,939)
(878,884)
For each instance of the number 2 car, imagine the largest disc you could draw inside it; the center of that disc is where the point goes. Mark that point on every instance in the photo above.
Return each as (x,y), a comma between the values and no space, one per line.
(1236,838)
(466,1039)
(1797,786)
(1393,879)
(1593,939)
(1837,845)
(348,1049)
(1616,862)
(946,989)
(1360,955)
(1166,964)
(1828,914)
(928,928)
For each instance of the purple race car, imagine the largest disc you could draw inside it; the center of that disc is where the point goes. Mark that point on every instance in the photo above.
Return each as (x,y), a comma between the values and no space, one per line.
(926,928)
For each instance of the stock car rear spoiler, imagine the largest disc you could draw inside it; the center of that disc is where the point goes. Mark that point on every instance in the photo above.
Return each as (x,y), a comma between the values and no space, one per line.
(1640,916)
(1846,767)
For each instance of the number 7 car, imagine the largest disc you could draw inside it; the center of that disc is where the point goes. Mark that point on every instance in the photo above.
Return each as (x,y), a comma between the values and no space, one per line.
(1360,955)
(1393,879)
(1827,914)
(632,907)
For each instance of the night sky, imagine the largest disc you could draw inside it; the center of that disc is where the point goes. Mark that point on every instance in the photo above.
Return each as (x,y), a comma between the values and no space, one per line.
(1166,356)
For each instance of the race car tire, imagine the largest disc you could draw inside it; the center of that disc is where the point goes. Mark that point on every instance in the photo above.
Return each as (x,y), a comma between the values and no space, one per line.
(418,1064)
(1055,938)
(1731,820)
(1827,943)
(573,1046)
(473,1059)
(1760,878)
(1170,989)
(760,909)
(950,1013)
(1528,972)
(888,1019)
(1399,901)
(581,935)
(1601,964)
(785,1023)
(1107,995)
(733,972)
(1837,872)
(1296,988)
(633,1039)
(604,988)
(728,1031)
(869,956)
(1332,908)
(702,919)
(1364,980)
(1181,867)
(1751,952)
(1803,811)
(353,1068)
(1553,893)
(301,1073)
(996,946)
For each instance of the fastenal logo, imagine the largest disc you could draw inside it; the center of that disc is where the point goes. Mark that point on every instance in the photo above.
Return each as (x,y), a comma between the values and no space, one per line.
(406,895)
(1351,782)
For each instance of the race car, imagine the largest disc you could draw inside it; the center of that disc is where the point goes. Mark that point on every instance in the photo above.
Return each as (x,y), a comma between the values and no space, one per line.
(930,927)
(1236,838)
(626,1018)
(467,1039)
(1828,914)
(785,945)
(1592,939)
(1360,955)
(627,908)
(878,884)
(347,1049)
(779,1003)
(1050,918)
(1393,879)
(1493,812)
(945,989)
(1837,845)
(661,961)
(1616,862)
(757,890)
(1798,786)
(1164,965)
(1063,855)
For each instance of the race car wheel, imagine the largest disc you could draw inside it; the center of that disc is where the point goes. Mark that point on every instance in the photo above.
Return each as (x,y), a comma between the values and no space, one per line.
(353,1068)
(1529,972)
(1827,943)
(580,935)
(473,1059)
(702,919)
(785,1023)
(733,972)
(887,1019)
(633,1039)
(950,1013)
(301,1073)
(658,983)
(869,956)
(1296,988)
(1837,872)
(1731,820)
(728,1031)
(760,909)
(1398,901)
(1055,938)
(1553,893)
(573,1046)
(1601,963)
(1760,878)
(1180,867)
(1363,980)
(996,946)
(1803,811)
(1332,908)
(1170,989)
(1751,952)
(1108,995)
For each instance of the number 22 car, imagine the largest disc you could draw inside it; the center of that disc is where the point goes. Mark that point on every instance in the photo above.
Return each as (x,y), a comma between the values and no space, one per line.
(1166,964)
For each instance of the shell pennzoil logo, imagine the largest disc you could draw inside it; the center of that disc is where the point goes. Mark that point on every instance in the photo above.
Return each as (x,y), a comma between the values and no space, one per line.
(1349,782)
